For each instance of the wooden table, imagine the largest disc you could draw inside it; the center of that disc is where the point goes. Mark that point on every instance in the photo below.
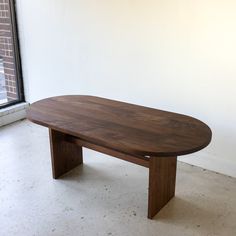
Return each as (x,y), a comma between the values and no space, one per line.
(148,137)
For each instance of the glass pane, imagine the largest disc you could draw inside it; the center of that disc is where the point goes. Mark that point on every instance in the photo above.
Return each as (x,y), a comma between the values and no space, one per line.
(3,91)
(8,72)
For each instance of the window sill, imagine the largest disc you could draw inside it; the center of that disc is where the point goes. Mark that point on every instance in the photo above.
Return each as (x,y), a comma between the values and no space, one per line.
(13,113)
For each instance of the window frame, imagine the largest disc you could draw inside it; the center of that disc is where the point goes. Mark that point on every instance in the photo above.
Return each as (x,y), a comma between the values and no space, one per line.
(17,57)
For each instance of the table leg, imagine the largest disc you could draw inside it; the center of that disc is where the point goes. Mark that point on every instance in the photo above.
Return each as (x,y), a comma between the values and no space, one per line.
(162,175)
(64,155)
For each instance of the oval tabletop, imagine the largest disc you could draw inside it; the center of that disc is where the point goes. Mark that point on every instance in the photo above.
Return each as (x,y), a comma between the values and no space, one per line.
(124,127)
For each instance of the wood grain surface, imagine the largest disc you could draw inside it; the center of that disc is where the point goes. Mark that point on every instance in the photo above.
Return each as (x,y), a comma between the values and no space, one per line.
(121,126)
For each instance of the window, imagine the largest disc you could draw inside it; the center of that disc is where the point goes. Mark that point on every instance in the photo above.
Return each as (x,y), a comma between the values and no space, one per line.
(11,86)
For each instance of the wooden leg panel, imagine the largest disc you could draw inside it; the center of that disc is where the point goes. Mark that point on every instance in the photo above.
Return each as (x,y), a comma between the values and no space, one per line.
(162,175)
(64,155)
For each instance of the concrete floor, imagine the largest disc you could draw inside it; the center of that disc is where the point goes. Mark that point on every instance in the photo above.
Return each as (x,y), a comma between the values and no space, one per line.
(105,196)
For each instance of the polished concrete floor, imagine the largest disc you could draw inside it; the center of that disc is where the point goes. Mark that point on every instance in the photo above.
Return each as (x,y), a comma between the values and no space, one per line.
(105,196)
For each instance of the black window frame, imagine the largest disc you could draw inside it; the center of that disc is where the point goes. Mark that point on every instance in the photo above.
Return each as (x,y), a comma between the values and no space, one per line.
(17,58)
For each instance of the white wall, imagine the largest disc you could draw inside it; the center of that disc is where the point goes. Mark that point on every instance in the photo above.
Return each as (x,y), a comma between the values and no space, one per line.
(178,55)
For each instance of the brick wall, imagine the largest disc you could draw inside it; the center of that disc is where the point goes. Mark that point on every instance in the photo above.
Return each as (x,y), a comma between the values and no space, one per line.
(7,50)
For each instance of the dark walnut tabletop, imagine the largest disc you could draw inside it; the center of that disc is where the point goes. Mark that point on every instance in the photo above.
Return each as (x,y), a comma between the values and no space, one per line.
(123,127)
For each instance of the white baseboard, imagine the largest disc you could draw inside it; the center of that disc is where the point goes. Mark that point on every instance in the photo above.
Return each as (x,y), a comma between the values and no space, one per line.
(13,113)
(210,162)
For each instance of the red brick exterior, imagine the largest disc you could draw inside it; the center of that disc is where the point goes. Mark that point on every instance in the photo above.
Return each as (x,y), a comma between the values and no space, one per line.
(7,50)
